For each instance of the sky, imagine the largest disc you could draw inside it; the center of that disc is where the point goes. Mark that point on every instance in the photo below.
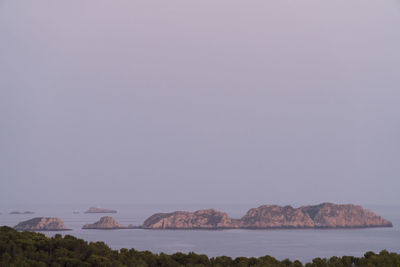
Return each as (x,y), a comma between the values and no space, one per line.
(211,101)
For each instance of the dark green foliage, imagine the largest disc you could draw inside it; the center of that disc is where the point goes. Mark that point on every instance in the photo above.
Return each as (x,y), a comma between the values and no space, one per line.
(33,249)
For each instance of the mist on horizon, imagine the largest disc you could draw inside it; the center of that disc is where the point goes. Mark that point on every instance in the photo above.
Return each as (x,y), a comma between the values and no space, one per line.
(200,102)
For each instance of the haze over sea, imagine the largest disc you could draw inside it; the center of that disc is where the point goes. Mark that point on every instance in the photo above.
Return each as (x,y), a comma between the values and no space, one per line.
(293,244)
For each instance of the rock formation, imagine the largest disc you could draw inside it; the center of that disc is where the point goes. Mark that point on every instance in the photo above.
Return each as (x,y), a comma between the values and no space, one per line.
(41,224)
(201,219)
(99,210)
(273,216)
(328,215)
(105,222)
(325,215)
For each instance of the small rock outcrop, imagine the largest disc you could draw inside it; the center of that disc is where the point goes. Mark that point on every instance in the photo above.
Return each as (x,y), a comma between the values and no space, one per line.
(41,224)
(105,222)
(99,210)
(201,219)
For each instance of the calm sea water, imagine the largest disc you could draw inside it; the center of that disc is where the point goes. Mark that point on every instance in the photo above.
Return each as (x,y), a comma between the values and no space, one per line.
(293,244)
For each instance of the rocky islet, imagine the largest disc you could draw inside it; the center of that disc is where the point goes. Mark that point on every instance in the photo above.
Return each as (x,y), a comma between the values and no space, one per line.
(106,223)
(41,224)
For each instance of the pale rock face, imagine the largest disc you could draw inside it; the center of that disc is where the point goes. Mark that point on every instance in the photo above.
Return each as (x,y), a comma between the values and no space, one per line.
(41,224)
(105,222)
(331,215)
(201,219)
(273,216)
(325,215)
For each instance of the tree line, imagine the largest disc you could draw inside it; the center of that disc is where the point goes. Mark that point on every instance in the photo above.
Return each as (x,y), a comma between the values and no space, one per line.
(35,249)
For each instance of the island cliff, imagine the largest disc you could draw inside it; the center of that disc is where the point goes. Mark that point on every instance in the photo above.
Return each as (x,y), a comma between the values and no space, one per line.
(41,224)
(328,215)
(201,219)
(274,216)
(99,210)
(106,223)
(325,215)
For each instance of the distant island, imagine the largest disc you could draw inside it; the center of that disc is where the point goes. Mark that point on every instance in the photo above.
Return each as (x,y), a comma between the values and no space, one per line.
(19,212)
(99,210)
(201,219)
(41,224)
(325,215)
(107,223)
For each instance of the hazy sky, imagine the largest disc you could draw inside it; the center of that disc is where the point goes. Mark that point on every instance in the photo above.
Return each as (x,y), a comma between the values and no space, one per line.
(205,101)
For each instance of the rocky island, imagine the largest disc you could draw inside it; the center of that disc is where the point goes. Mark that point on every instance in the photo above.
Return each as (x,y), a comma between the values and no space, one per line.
(325,215)
(106,223)
(41,224)
(201,219)
(274,216)
(99,210)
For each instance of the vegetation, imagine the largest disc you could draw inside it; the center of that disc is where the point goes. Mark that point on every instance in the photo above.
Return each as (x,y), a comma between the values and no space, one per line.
(35,249)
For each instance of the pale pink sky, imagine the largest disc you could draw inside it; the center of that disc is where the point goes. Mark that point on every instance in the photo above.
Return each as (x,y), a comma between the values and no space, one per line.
(200,101)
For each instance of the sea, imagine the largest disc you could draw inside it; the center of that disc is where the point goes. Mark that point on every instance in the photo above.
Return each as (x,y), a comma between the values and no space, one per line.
(300,244)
